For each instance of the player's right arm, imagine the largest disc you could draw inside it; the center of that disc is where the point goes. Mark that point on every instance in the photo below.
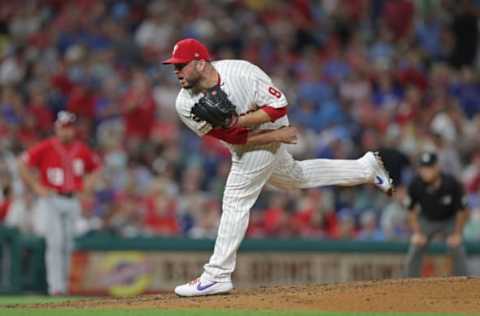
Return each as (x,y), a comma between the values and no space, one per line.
(28,166)
(242,136)
(418,238)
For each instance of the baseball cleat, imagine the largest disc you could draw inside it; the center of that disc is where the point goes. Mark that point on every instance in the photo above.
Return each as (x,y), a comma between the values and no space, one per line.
(381,178)
(201,288)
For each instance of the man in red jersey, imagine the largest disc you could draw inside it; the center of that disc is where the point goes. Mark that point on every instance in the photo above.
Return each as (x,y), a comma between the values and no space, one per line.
(57,169)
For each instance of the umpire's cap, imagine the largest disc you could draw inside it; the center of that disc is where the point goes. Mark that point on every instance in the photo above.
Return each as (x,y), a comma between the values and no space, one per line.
(187,50)
(65,118)
(427,159)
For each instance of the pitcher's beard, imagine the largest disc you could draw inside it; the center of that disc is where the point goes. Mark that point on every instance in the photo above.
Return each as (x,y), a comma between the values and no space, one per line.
(190,84)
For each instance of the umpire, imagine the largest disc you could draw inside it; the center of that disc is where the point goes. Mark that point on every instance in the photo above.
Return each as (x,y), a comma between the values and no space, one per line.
(436,207)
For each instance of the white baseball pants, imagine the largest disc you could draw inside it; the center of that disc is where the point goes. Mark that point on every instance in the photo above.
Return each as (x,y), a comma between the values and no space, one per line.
(55,219)
(248,174)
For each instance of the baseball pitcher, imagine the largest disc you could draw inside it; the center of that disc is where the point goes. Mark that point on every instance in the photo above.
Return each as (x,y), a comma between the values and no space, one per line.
(57,169)
(236,102)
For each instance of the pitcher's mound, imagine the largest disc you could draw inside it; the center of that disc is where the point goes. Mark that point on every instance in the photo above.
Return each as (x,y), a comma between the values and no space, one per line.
(405,295)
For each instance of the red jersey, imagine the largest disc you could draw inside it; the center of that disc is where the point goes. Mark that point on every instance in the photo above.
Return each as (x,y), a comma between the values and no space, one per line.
(62,166)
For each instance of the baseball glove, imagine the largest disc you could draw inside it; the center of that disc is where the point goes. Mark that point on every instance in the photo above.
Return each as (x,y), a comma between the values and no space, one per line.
(215,108)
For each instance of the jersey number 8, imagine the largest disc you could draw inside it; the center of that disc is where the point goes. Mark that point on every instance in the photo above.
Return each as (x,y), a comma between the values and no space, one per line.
(277,94)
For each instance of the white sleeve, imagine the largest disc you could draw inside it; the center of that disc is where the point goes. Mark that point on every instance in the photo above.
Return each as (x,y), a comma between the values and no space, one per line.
(265,91)
(183,107)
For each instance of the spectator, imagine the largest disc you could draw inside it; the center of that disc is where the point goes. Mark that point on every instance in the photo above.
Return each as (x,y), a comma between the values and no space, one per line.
(208,221)
(19,212)
(12,68)
(368,227)
(276,217)
(381,75)
(160,215)
(396,162)
(5,204)
(346,225)
(465,32)
(471,174)
(40,110)
(393,221)
(138,110)
(428,31)
(472,229)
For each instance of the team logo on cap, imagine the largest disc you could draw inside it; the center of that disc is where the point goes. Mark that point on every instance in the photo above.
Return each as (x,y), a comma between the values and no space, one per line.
(65,117)
(174,49)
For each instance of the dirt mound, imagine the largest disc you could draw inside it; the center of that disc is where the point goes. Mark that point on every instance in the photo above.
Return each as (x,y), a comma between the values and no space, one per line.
(406,295)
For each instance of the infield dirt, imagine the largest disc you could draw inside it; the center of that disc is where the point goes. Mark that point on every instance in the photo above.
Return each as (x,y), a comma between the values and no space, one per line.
(460,295)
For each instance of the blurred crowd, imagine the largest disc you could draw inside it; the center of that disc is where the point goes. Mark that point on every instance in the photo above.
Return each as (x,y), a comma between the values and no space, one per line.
(395,76)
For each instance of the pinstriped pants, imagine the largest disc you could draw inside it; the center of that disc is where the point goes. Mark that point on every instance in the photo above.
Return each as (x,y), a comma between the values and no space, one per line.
(248,174)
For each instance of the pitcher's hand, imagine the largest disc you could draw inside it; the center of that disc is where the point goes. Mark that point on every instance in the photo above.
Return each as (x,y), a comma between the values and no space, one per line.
(287,135)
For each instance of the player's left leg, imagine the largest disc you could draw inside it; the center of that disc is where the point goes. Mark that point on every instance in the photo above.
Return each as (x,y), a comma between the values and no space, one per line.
(290,173)
(68,210)
(457,253)
(245,181)
(72,211)
(54,245)
(459,258)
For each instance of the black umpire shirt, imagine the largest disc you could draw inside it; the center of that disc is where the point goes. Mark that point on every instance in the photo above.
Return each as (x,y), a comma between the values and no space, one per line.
(436,203)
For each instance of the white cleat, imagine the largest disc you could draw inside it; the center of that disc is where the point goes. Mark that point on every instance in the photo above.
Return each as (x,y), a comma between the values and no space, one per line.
(201,288)
(381,178)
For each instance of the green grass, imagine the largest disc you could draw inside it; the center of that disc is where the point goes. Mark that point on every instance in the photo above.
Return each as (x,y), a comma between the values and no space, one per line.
(20,300)
(34,299)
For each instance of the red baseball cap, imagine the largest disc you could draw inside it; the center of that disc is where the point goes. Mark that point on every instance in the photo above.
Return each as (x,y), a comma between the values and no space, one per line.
(187,50)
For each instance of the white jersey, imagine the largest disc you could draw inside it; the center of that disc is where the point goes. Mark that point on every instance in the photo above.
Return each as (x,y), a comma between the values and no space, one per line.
(247,87)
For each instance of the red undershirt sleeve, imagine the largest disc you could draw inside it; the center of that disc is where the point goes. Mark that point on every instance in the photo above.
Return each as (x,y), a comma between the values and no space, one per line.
(274,113)
(239,135)
(234,135)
